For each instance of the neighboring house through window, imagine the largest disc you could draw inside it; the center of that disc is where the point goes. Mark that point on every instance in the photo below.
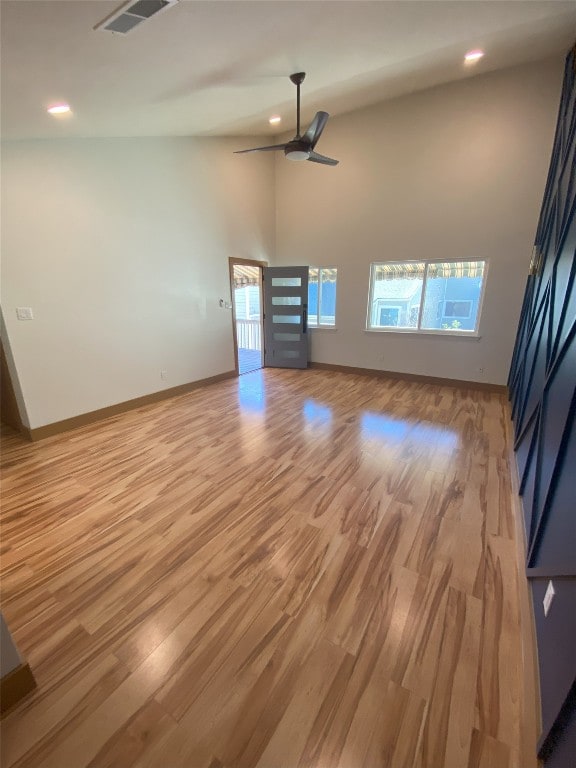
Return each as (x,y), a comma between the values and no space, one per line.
(456,309)
(389,315)
(426,296)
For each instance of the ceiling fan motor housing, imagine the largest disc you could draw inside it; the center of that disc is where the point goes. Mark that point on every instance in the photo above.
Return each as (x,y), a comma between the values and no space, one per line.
(297,150)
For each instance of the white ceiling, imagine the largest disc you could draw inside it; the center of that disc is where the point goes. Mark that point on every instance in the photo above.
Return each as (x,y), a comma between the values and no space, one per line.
(221,67)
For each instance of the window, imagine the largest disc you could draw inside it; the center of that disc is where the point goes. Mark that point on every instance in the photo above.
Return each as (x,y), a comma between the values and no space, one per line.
(426,296)
(322,297)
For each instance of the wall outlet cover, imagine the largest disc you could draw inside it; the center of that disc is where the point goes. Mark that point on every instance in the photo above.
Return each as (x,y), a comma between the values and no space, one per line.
(548,597)
(24,313)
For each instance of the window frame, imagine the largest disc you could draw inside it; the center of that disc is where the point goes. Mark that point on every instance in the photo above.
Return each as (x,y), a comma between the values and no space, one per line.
(419,331)
(319,325)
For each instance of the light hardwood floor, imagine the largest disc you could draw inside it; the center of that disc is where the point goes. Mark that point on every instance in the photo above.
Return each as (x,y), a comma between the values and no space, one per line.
(296,568)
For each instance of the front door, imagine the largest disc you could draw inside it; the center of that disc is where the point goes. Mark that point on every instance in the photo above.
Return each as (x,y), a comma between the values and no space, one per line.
(286,317)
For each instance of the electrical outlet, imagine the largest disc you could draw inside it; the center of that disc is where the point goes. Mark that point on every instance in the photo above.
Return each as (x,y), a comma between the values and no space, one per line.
(24,313)
(548,597)
(163,374)
(481,370)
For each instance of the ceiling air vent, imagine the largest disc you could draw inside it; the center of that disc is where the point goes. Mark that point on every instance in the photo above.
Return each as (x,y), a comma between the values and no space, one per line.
(132,13)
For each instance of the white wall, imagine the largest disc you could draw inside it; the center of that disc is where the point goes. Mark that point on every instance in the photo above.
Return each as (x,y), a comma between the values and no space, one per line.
(454,172)
(121,247)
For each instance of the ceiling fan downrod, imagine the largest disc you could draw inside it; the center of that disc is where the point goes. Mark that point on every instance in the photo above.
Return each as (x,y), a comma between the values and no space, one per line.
(297,78)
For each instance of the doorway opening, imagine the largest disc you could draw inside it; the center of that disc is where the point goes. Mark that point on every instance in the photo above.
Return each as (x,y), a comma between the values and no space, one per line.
(246,288)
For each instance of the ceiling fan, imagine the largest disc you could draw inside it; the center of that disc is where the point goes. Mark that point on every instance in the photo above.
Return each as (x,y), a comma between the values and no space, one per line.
(301,147)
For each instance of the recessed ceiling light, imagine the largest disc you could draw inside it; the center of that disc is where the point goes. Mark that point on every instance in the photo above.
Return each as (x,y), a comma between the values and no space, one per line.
(473,56)
(275,119)
(59,109)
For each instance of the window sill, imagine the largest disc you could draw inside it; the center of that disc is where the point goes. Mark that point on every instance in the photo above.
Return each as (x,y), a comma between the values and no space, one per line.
(322,328)
(473,335)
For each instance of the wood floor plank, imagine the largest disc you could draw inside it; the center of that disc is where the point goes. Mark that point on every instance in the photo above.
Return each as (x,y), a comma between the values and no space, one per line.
(450,720)
(295,569)
(292,732)
(134,738)
(486,752)
(57,711)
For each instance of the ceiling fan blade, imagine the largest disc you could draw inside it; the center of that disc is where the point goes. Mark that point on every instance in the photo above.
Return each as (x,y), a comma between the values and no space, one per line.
(260,149)
(316,158)
(315,128)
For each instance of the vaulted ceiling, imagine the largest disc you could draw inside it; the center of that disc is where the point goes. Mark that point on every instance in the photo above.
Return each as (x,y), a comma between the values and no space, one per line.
(221,67)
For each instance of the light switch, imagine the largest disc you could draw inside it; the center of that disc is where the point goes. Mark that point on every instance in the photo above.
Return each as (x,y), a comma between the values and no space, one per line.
(24,313)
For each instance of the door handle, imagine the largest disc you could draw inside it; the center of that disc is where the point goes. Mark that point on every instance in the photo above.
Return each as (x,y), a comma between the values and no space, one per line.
(305,318)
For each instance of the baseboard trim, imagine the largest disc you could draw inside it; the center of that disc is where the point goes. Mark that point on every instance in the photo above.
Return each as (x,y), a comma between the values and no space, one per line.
(15,686)
(438,381)
(84,419)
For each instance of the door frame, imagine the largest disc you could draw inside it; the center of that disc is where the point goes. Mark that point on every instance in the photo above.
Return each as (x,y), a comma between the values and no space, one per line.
(233,260)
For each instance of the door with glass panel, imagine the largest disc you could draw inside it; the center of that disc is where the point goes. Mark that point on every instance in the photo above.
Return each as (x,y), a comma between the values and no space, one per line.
(286,317)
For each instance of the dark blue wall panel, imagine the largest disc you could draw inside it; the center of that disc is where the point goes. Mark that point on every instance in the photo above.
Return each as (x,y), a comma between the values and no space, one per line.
(561,750)
(542,386)
(556,649)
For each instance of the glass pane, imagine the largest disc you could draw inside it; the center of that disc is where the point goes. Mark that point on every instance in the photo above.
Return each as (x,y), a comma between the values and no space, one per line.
(396,294)
(286,337)
(289,353)
(313,296)
(286,281)
(287,301)
(328,297)
(453,291)
(294,319)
